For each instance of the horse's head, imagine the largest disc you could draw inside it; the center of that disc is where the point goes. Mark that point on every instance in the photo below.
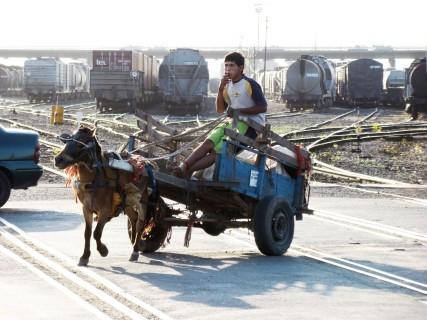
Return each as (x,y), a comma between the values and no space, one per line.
(82,146)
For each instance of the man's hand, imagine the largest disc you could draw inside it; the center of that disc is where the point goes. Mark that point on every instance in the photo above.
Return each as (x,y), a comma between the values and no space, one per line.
(232,112)
(225,79)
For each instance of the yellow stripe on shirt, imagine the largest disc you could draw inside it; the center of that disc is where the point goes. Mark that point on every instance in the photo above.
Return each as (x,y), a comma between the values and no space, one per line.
(248,88)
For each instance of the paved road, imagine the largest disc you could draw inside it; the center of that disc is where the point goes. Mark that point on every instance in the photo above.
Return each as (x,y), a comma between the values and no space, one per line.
(225,277)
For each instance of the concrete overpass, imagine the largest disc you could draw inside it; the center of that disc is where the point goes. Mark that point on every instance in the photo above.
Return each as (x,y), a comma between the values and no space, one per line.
(288,53)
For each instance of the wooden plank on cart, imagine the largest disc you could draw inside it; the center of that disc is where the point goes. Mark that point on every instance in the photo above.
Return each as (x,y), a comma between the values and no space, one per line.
(275,137)
(159,126)
(272,153)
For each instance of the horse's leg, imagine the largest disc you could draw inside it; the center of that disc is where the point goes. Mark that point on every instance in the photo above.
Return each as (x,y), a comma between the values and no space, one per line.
(142,214)
(133,218)
(88,216)
(97,234)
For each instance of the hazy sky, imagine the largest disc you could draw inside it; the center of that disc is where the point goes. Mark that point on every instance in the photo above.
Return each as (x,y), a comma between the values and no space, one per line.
(191,23)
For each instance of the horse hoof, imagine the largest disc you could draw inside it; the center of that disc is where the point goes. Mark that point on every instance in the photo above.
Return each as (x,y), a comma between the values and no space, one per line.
(103,251)
(134,256)
(83,262)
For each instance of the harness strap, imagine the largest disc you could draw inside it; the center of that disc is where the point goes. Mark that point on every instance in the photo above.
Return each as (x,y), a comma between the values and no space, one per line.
(152,181)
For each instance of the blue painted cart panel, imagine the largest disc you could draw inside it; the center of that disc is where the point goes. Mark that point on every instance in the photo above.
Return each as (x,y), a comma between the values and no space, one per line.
(254,180)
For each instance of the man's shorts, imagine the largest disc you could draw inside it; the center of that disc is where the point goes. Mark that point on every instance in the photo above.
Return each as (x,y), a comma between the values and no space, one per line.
(217,134)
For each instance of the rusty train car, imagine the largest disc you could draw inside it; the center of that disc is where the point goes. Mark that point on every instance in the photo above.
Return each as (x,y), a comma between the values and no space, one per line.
(123,79)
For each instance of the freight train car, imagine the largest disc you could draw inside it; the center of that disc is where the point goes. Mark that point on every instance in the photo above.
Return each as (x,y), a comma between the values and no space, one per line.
(123,79)
(360,82)
(11,81)
(310,82)
(183,79)
(214,85)
(274,82)
(416,87)
(394,86)
(50,80)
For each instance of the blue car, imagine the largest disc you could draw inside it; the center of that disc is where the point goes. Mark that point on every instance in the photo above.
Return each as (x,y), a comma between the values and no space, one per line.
(19,157)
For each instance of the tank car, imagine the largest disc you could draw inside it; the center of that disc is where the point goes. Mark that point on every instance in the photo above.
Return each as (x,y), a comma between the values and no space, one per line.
(275,81)
(183,79)
(51,80)
(310,82)
(214,85)
(360,82)
(11,80)
(416,87)
(123,79)
(394,85)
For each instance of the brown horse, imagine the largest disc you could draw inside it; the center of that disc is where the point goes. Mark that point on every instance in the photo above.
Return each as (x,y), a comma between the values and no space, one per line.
(101,189)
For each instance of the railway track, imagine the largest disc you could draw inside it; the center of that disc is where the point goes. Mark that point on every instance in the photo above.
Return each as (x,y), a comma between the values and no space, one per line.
(318,125)
(367,226)
(99,296)
(334,136)
(353,125)
(338,262)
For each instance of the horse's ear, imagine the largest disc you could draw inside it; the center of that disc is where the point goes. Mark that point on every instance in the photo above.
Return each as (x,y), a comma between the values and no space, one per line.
(94,132)
(65,137)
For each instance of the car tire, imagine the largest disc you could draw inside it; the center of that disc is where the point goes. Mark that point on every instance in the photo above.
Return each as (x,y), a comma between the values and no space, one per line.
(4,188)
(153,241)
(273,226)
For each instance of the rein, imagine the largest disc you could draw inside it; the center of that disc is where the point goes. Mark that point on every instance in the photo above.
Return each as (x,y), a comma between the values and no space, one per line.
(99,180)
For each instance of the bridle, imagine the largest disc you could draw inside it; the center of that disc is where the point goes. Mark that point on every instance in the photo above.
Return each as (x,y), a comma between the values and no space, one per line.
(90,147)
(96,163)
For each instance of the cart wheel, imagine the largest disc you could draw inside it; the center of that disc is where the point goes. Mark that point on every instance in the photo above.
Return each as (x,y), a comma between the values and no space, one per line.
(4,188)
(153,241)
(213,229)
(273,226)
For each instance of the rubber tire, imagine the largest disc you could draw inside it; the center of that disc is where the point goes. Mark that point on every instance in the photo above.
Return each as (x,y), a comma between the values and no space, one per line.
(154,241)
(266,212)
(5,187)
(213,229)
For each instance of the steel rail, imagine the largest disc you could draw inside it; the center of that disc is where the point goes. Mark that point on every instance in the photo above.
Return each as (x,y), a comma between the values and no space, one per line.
(125,302)
(309,147)
(380,227)
(341,263)
(320,124)
(50,280)
(58,269)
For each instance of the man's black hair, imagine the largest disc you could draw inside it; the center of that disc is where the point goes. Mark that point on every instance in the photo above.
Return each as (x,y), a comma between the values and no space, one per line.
(235,57)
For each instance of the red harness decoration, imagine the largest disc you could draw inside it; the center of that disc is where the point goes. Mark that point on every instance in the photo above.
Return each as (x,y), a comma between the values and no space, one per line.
(300,159)
(138,165)
(303,163)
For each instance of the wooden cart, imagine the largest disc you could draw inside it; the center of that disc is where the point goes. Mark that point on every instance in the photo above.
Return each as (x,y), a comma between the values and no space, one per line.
(263,187)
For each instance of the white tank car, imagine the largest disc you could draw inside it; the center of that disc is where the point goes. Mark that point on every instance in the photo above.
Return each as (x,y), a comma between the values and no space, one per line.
(274,83)
(310,82)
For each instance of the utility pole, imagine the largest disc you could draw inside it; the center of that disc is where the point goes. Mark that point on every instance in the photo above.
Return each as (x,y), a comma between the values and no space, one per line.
(258,10)
(265,53)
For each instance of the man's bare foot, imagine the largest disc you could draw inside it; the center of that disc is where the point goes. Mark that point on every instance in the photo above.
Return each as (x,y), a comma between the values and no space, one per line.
(180,171)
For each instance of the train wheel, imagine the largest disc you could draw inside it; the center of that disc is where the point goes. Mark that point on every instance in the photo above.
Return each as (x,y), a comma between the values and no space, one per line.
(273,226)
